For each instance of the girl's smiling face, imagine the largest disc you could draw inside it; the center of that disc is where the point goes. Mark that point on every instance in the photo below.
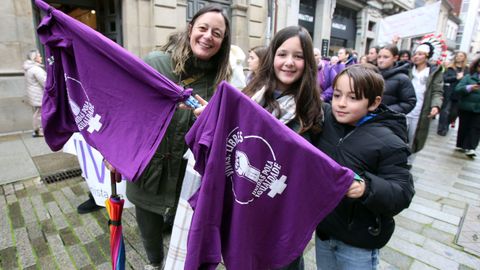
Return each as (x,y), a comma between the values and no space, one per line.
(288,63)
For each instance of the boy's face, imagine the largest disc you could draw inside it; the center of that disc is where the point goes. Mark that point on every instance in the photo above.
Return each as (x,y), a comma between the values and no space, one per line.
(345,107)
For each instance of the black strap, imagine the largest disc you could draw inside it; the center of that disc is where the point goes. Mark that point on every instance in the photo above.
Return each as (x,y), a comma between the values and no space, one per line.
(114,222)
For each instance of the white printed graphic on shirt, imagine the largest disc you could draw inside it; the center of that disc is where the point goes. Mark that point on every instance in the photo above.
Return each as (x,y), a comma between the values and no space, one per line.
(85,115)
(238,167)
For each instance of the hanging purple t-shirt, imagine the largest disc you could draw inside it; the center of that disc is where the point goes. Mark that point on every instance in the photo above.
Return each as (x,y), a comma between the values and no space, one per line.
(121,105)
(264,188)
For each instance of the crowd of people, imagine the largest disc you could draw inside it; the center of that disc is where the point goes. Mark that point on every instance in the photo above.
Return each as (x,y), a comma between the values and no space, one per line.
(371,117)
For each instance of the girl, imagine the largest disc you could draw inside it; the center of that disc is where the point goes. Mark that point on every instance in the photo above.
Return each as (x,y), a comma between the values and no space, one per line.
(255,58)
(367,137)
(286,83)
(469,110)
(286,86)
(399,94)
(454,73)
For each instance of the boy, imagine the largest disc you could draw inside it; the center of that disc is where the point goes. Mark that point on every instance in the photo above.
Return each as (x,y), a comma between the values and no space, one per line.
(364,135)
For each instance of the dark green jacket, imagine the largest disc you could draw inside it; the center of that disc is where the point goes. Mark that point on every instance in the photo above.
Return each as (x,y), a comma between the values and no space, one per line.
(433,98)
(469,101)
(158,188)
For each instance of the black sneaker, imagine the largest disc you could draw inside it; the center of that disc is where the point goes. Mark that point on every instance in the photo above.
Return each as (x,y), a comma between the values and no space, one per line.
(88,206)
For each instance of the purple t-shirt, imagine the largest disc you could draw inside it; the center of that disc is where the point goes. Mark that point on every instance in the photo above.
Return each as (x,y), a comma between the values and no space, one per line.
(264,188)
(121,105)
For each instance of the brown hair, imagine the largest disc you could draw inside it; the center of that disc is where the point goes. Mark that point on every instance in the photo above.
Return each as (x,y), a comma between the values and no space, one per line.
(367,80)
(182,51)
(391,48)
(464,64)
(474,65)
(305,90)
(260,51)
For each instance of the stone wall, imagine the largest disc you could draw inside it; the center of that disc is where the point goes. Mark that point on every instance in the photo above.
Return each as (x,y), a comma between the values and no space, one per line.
(16,39)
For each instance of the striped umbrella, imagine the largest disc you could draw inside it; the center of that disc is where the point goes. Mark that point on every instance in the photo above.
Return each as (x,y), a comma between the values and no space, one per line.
(114,206)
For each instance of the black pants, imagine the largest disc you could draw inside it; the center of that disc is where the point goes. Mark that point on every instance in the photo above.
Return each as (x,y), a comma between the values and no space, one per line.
(444,120)
(151,227)
(297,264)
(468,129)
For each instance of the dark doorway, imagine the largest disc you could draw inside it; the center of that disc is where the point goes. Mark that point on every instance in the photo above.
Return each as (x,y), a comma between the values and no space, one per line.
(195,5)
(101,15)
(306,16)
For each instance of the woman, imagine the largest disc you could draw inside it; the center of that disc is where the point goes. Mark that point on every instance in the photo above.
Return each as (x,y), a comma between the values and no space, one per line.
(469,110)
(427,81)
(399,94)
(199,60)
(255,58)
(35,77)
(454,73)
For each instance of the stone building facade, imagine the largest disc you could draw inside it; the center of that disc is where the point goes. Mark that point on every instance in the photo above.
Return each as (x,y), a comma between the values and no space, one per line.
(143,25)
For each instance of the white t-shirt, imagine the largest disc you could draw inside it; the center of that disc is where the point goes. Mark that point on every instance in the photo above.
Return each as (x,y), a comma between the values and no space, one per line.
(419,81)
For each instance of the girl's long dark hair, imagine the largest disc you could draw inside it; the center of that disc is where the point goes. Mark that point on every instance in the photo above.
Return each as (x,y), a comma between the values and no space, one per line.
(308,110)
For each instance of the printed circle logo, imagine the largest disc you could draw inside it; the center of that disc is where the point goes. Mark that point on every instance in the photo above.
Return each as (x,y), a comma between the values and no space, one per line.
(252,167)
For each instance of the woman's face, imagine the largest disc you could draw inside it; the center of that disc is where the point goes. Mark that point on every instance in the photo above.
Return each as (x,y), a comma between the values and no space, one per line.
(206,35)
(288,63)
(419,58)
(253,61)
(405,57)
(38,58)
(385,59)
(460,57)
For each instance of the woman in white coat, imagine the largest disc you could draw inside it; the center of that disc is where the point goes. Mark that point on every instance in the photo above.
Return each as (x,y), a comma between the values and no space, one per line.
(35,77)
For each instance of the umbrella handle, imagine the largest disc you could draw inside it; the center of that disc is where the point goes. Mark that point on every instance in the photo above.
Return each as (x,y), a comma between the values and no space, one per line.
(113,182)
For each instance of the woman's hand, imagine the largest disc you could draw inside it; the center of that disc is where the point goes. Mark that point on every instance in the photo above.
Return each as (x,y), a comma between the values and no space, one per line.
(475,87)
(109,166)
(356,189)
(204,104)
(434,111)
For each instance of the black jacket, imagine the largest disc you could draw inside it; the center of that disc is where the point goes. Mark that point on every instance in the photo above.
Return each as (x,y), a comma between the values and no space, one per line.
(450,82)
(399,94)
(377,151)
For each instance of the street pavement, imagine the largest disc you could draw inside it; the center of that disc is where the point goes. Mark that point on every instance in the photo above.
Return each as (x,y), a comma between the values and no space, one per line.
(40,228)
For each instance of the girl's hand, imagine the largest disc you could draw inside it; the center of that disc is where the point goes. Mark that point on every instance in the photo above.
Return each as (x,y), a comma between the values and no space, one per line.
(356,189)
(204,104)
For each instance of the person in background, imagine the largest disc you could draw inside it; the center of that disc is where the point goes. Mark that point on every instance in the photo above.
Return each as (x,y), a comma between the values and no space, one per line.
(255,58)
(372,55)
(345,59)
(364,135)
(468,90)
(325,76)
(405,56)
(237,56)
(334,60)
(199,60)
(286,86)
(35,77)
(399,94)
(454,73)
(427,81)
(363,59)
